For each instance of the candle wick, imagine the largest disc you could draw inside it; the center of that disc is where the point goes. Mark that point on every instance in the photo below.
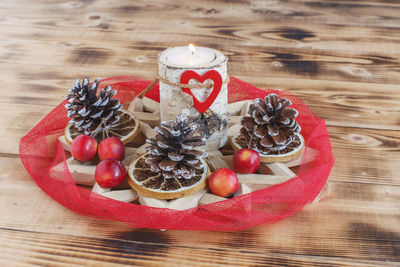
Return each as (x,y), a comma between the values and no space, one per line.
(192,49)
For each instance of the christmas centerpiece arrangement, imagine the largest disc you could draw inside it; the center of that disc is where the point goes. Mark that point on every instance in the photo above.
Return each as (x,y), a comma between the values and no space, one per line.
(201,151)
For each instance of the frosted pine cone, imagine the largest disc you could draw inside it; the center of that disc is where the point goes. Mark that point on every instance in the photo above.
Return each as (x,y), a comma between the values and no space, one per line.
(172,152)
(92,113)
(271,127)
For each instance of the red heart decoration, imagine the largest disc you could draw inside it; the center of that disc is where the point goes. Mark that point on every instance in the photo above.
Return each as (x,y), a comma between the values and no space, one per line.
(212,75)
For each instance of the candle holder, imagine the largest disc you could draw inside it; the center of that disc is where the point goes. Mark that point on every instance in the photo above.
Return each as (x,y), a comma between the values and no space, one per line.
(194,84)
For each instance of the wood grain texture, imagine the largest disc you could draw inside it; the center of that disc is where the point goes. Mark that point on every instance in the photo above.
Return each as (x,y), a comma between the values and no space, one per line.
(340,57)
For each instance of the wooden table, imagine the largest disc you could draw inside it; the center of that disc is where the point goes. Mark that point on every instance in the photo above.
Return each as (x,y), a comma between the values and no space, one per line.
(341,57)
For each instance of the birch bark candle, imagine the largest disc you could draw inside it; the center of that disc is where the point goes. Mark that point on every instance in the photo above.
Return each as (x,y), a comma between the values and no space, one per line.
(193,82)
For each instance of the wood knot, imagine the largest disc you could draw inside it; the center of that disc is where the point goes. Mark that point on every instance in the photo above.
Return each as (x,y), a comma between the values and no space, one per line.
(358,139)
(141,59)
(355,71)
(276,64)
(363,140)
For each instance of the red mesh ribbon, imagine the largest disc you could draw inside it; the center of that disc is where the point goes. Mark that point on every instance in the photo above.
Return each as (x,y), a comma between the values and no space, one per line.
(40,151)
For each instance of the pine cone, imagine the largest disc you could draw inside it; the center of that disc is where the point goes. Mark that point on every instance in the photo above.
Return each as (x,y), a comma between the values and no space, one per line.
(92,113)
(271,127)
(210,123)
(172,151)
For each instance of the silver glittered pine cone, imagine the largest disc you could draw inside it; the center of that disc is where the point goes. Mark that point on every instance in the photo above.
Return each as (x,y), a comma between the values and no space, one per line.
(172,152)
(271,126)
(91,112)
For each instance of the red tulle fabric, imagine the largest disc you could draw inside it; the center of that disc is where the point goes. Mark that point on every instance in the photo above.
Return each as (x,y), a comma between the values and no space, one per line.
(40,151)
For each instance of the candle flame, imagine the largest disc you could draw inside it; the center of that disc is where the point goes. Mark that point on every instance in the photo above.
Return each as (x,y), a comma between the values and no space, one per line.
(192,49)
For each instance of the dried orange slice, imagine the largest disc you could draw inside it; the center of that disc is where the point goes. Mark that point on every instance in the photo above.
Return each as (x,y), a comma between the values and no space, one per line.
(126,129)
(290,154)
(154,185)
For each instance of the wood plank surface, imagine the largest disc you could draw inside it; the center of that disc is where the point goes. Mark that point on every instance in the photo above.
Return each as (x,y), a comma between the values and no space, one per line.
(342,58)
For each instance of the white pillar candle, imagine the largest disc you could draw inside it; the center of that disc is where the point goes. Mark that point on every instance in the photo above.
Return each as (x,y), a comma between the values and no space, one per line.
(174,61)
(190,56)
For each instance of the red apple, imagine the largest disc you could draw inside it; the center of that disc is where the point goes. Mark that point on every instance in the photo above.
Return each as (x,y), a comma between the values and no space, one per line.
(109,173)
(111,148)
(223,182)
(246,161)
(84,148)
